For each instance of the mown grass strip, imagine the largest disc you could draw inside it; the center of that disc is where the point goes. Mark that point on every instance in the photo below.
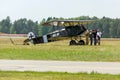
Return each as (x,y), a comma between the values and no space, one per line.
(8,75)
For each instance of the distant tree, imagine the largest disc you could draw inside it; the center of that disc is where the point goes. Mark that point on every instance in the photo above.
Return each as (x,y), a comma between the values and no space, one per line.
(106,26)
(12,30)
(40,27)
(95,18)
(32,26)
(20,26)
(43,30)
(49,18)
(113,29)
(5,25)
(24,26)
(118,30)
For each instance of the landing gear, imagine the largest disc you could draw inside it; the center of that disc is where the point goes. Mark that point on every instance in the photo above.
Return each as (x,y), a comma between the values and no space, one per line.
(74,42)
(81,42)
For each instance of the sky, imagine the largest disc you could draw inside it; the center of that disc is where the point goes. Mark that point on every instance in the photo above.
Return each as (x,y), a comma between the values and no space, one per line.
(36,10)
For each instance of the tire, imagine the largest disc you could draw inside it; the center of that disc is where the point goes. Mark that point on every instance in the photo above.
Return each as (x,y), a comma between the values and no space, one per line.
(73,42)
(81,42)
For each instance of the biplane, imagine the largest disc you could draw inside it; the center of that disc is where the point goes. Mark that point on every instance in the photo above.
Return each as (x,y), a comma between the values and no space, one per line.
(70,29)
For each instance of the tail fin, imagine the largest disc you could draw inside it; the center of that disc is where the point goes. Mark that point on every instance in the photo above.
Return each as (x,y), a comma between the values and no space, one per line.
(12,41)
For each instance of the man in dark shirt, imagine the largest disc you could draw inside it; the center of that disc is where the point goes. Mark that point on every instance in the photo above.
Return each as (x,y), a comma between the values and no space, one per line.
(94,36)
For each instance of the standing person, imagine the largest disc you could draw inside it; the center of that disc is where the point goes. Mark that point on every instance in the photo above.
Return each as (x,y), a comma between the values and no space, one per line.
(91,37)
(95,36)
(99,34)
(87,37)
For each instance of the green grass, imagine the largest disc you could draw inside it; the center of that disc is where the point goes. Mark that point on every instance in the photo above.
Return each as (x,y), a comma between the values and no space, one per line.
(108,51)
(7,75)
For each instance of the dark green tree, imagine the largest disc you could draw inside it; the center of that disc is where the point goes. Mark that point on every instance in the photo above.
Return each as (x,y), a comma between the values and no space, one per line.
(5,25)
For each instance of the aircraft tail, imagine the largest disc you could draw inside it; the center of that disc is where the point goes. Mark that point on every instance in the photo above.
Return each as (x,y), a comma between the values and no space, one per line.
(12,41)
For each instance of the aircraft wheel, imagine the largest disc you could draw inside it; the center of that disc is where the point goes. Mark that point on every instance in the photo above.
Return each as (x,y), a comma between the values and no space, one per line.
(81,42)
(26,43)
(73,42)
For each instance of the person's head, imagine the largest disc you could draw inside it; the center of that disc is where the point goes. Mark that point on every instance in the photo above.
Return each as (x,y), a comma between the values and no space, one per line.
(90,31)
(98,30)
(94,30)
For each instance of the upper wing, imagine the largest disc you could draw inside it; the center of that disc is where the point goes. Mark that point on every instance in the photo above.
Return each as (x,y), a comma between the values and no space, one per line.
(66,22)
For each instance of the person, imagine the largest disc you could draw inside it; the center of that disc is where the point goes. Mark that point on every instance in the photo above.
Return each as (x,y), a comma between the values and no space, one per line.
(95,36)
(91,37)
(99,34)
(87,37)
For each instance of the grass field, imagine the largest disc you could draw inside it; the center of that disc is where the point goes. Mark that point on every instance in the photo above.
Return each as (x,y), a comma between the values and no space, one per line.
(60,50)
(6,75)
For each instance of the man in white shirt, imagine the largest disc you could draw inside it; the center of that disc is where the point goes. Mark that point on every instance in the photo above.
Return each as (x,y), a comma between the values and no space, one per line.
(99,35)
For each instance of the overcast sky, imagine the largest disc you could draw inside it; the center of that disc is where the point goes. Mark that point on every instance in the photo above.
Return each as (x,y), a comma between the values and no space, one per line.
(39,9)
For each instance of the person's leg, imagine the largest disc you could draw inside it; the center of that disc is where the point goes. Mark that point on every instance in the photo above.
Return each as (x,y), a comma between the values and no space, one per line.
(98,40)
(87,40)
(95,41)
(91,41)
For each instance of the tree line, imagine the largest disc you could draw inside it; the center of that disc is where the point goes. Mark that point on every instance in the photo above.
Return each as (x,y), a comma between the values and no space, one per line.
(109,27)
